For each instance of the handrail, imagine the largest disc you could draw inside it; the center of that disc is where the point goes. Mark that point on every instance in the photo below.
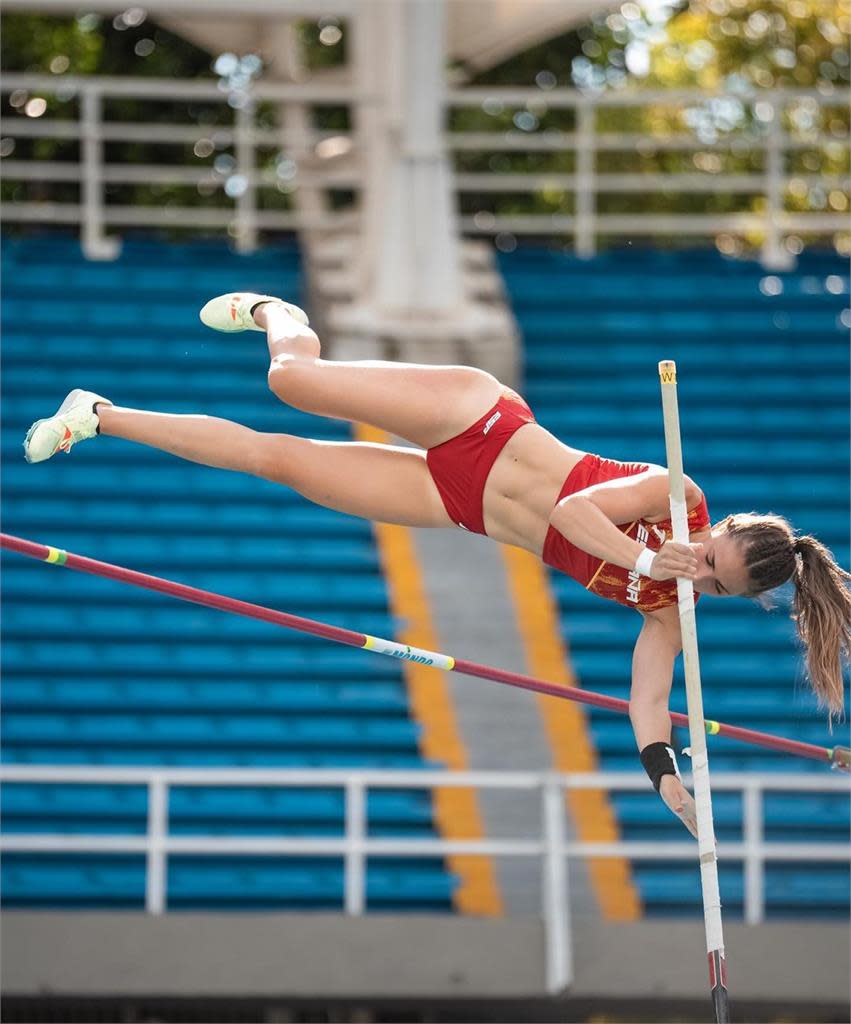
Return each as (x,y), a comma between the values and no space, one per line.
(244,217)
(549,846)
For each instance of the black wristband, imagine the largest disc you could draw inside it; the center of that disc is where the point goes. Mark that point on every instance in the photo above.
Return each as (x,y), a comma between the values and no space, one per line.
(659,759)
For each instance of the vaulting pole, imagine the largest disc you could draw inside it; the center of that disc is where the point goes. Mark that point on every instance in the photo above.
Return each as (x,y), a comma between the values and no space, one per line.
(839,757)
(694,697)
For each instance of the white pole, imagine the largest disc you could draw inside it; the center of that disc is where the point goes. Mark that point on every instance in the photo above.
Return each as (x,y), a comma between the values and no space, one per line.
(697,736)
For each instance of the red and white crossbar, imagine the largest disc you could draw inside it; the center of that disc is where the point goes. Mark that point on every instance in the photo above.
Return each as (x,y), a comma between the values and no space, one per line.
(838,756)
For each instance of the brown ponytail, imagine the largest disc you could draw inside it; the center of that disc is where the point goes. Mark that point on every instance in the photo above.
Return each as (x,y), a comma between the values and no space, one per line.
(822,613)
(821,606)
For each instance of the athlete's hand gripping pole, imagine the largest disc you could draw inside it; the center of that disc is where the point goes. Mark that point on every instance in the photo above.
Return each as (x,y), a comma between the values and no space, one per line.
(694,696)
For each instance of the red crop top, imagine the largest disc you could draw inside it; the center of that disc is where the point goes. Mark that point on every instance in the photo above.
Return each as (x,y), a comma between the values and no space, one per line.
(612,581)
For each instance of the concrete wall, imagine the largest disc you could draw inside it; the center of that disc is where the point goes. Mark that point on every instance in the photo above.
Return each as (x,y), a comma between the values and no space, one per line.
(330,956)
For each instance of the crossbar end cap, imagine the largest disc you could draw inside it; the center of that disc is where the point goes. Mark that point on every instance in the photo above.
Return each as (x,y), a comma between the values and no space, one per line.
(840,759)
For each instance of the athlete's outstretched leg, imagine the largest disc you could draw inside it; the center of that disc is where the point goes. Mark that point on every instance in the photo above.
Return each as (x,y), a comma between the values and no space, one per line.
(376,482)
(423,404)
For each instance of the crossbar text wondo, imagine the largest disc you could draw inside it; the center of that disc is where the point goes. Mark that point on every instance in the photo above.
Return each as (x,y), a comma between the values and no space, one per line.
(406,653)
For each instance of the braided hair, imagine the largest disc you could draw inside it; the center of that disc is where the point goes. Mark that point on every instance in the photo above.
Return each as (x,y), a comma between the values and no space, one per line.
(821,607)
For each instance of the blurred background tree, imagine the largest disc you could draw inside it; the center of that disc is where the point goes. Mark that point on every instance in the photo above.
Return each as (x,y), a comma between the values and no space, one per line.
(740,47)
(734,46)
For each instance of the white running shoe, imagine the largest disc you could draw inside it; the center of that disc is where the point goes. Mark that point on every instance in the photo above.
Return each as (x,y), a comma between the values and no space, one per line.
(75,420)
(232,312)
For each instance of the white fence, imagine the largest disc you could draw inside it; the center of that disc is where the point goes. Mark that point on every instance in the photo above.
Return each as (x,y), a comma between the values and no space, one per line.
(241,162)
(549,847)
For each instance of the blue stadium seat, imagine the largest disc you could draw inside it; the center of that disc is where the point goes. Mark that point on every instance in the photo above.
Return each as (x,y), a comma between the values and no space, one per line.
(100,673)
(118,882)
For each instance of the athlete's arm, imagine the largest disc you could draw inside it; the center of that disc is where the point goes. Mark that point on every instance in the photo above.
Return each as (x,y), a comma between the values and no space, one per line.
(658,645)
(590,518)
(656,649)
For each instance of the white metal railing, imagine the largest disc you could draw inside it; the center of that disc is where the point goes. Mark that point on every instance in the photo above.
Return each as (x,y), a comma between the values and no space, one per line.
(550,846)
(244,178)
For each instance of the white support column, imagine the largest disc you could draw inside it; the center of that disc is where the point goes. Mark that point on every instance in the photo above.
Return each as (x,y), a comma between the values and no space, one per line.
(411,259)
(246,163)
(774,254)
(754,864)
(286,64)
(156,884)
(586,198)
(356,829)
(95,242)
(554,890)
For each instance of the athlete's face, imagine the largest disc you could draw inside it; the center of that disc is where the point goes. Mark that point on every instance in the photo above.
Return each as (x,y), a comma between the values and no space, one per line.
(721,567)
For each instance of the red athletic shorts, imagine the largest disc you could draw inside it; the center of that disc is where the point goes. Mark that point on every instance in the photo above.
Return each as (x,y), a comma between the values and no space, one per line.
(460,466)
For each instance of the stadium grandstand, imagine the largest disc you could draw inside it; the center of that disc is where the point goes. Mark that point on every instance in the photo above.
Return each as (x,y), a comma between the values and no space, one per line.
(209,817)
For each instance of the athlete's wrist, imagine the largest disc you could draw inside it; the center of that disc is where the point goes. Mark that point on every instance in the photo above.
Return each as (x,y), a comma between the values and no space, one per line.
(644,562)
(659,760)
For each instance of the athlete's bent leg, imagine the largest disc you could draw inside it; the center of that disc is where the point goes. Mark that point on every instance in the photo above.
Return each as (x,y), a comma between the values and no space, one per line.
(426,405)
(377,482)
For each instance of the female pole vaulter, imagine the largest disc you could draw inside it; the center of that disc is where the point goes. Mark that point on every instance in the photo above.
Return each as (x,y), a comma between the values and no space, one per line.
(484,465)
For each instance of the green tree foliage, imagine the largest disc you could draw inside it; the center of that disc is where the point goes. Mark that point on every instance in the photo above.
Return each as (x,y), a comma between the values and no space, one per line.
(734,46)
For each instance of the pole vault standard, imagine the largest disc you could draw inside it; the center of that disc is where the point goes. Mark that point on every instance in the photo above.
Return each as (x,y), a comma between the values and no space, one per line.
(694,699)
(839,757)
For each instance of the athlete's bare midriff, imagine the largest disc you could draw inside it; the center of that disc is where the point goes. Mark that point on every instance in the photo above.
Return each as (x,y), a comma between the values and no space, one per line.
(523,487)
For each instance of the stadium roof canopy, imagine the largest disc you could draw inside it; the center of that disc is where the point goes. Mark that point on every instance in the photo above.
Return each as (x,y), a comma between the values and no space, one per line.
(480,33)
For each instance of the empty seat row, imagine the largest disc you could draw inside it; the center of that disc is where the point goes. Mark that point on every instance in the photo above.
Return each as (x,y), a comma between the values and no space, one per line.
(229,806)
(259,518)
(64,250)
(531,290)
(162,555)
(70,694)
(194,882)
(172,284)
(230,729)
(200,660)
(790,890)
(103,621)
(124,754)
